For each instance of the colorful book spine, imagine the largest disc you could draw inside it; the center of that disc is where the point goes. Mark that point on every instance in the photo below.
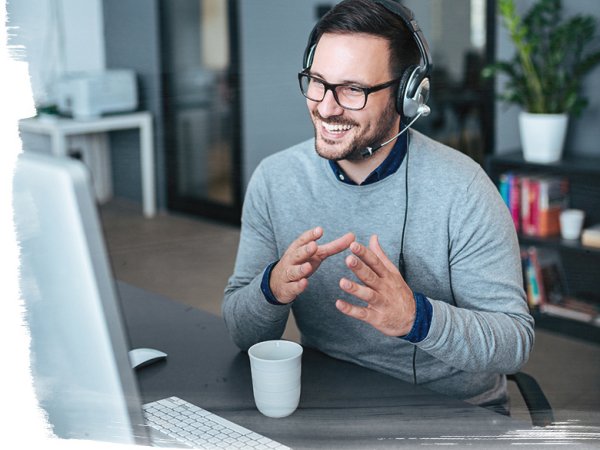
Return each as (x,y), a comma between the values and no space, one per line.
(504,188)
(534,261)
(553,193)
(525,205)
(515,199)
(532,292)
(534,210)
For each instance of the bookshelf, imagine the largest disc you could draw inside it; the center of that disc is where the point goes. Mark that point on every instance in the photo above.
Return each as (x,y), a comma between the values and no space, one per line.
(581,264)
(556,242)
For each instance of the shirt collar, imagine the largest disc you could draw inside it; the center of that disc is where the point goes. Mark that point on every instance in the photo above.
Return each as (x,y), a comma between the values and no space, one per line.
(388,167)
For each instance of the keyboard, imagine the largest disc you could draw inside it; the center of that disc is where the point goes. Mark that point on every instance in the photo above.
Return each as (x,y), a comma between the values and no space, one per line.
(198,428)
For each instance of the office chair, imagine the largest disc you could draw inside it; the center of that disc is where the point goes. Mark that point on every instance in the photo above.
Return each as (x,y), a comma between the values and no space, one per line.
(538,405)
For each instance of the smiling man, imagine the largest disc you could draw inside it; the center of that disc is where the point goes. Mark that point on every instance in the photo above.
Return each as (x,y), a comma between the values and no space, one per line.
(392,250)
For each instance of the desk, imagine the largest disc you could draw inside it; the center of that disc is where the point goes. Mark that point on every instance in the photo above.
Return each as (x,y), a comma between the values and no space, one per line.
(342,405)
(60,128)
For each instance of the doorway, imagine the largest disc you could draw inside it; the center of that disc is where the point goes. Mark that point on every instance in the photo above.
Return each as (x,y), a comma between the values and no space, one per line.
(200,79)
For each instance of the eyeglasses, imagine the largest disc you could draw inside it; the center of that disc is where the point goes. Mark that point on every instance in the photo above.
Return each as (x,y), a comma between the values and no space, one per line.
(348,96)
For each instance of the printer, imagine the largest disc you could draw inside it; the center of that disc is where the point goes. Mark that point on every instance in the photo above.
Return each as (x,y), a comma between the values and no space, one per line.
(89,95)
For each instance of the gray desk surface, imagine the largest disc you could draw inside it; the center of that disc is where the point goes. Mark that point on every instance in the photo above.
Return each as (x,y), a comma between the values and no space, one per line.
(342,405)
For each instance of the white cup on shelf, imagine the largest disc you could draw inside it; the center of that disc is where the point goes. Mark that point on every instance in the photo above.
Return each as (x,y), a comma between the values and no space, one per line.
(571,223)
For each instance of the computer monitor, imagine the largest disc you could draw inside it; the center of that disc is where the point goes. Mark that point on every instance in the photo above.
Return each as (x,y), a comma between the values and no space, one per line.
(79,349)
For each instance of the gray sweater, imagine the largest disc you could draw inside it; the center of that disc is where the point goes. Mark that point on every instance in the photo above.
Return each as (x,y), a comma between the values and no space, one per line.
(460,244)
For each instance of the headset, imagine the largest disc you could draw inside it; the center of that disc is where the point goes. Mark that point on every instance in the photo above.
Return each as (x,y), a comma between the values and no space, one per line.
(414,85)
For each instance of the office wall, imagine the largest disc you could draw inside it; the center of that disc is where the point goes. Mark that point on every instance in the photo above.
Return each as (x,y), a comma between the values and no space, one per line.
(34,27)
(582,137)
(443,24)
(273,35)
(131,40)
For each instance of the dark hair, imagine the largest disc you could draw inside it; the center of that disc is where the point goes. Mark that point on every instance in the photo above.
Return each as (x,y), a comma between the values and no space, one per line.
(367,16)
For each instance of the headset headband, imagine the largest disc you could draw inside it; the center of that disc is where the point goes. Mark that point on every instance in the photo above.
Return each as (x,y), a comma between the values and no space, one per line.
(401,11)
(408,17)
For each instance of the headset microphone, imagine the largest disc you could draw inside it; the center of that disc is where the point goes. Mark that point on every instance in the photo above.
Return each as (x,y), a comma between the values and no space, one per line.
(423,110)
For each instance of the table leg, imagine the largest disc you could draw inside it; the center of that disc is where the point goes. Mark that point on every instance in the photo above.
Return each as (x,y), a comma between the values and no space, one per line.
(147,162)
(59,143)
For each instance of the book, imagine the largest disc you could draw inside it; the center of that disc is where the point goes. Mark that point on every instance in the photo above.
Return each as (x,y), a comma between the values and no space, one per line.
(533,293)
(532,279)
(503,187)
(534,201)
(591,236)
(543,197)
(525,205)
(552,199)
(547,288)
(573,308)
(544,279)
(514,189)
(538,280)
(567,312)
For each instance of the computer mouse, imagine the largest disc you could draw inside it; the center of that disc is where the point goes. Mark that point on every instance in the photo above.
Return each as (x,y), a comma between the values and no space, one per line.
(142,357)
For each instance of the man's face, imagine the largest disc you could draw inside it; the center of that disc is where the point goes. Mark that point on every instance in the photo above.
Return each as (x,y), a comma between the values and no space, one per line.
(363,60)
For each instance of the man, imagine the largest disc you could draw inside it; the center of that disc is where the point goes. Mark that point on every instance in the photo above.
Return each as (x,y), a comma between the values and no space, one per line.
(420,275)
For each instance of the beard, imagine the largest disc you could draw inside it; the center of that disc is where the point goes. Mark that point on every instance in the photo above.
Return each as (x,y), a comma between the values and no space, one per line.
(353,150)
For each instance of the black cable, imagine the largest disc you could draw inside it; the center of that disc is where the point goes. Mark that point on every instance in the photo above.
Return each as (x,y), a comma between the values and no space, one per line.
(401,266)
(415,364)
(450,279)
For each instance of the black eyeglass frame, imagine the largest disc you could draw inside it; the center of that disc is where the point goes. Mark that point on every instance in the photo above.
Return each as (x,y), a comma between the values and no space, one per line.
(332,87)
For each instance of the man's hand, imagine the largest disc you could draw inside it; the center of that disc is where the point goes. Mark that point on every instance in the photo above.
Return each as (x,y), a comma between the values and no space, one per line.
(289,277)
(390,304)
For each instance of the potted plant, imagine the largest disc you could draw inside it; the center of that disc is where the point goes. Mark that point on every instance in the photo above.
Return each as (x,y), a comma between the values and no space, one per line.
(544,77)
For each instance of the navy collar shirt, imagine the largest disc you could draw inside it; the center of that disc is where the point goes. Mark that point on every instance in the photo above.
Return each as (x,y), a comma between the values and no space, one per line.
(389,165)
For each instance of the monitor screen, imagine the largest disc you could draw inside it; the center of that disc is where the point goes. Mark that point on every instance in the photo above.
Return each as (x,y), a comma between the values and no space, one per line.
(79,349)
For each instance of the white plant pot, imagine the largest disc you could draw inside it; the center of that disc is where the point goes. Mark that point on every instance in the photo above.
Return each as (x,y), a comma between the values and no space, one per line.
(543,136)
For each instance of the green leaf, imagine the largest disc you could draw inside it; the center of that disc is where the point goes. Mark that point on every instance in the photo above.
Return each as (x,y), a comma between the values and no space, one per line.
(552,56)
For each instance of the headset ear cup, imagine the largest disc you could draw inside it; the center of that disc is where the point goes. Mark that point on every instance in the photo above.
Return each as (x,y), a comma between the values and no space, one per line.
(403,87)
(416,93)
(422,96)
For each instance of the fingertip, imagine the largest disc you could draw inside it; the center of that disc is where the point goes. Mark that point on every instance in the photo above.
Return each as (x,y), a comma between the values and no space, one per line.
(376,246)
(318,231)
(351,261)
(345,284)
(305,268)
(303,283)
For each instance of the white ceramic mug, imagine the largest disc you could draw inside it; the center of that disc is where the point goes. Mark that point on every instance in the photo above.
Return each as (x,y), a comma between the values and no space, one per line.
(571,223)
(276,369)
